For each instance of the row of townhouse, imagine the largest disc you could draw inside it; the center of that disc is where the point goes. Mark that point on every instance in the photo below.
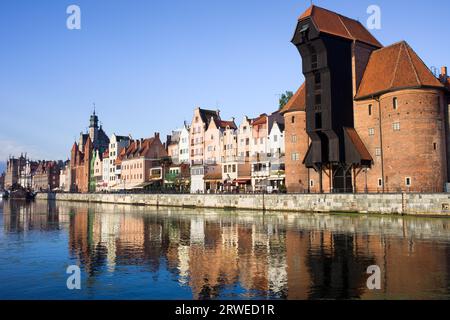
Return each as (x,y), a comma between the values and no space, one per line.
(39,175)
(209,155)
(101,164)
(224,157)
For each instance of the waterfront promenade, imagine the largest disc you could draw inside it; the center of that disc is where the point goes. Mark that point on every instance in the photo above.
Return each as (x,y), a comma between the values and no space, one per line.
(437,204)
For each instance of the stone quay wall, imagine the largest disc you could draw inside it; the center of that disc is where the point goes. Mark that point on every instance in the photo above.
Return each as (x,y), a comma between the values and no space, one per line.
(404,204)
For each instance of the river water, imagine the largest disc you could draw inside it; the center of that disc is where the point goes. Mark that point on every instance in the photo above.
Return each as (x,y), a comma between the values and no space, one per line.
(131,252)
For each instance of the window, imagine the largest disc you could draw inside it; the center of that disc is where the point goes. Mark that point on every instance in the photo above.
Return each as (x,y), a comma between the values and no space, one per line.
(311,183)
(234,168)
(225,169)
(318,120)
(275,138)
(371,131)
(294,138)
(318,99)
(380,182)
(293,119)
(317,80)
(304,31)
(378,152)
(314,61)
(395,103)
(435,146)
(295,156)
(370,109)
(396,126)
(261,140)
(408,181)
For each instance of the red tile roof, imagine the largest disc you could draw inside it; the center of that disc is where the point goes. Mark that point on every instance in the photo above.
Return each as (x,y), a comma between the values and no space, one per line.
(358,144)
(335,24)
(136,149)
(46,166)
(224,124)
(121,156)
(393,68)
(297,102)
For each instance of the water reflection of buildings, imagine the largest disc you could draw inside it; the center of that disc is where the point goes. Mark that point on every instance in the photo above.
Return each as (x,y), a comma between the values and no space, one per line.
(20,216)
(278,256)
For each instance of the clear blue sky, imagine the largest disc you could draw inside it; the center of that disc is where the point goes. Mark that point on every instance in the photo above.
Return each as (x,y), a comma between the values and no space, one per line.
(147,64)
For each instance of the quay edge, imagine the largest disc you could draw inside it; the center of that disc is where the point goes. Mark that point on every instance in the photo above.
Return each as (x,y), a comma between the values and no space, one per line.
(416,204)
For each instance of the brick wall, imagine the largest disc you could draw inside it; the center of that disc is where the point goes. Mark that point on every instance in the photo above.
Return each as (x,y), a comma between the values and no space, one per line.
(410,141)
(297,175)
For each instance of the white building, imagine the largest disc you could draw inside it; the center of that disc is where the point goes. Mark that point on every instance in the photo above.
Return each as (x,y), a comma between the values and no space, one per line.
(197,182)
(116,144)
(276,150)
(173,149)
(26,173)
(100,185)
(267,152)
(107,176)
(244,139)
(276,138)
(183,145)
(65,177)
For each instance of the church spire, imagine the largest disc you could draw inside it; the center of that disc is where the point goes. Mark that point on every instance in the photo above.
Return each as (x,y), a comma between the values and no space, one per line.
(93,120)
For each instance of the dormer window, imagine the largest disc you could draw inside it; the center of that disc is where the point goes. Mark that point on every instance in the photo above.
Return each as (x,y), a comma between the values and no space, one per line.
(304,31)
(304,28)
